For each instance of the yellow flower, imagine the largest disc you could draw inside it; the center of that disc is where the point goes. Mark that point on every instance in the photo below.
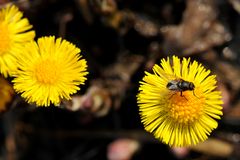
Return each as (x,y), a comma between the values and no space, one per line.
(175,119)
(49,71)
(14,32)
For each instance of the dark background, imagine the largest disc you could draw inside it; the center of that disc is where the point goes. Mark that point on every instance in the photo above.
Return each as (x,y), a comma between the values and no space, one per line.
(146,29)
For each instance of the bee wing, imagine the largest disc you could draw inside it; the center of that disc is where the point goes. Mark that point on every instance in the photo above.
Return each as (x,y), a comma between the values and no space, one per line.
(168,77)
(161,73)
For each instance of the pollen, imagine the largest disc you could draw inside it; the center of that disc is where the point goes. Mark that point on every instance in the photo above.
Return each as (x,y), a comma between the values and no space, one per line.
(47,71)
(185,109)
(4,39)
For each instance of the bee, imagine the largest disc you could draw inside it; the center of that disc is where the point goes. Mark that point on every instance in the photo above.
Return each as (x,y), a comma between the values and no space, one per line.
(181,85)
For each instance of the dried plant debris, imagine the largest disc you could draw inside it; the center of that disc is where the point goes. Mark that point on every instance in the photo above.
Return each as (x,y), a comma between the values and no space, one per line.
(6,94)
(214,147)
(96,101)
(199,30)
(122,149)
(235,4)
(229,74)
(145,26)
(120,20)
(109,90)
(234,112)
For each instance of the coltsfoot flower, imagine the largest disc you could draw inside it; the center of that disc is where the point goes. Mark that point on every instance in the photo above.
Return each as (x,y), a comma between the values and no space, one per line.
(49,70)
(176,115)
(14,32)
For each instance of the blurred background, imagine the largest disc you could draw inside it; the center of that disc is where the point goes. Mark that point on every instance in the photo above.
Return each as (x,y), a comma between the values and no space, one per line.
(120,39)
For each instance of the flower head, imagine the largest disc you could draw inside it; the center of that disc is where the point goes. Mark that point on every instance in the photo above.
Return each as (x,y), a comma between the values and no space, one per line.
(49,70)
(177,114)
(14,32)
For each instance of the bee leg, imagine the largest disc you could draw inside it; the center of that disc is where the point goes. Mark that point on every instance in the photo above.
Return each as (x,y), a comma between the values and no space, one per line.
(185,98)
(195,94)
(182,95)
(172,95)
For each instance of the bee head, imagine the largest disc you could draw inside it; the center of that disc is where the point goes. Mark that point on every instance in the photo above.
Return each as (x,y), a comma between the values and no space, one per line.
(191,86)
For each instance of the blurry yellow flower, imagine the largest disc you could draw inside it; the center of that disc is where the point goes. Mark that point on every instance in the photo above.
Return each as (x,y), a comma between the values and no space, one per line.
(6,93)
(49,70)
(14,32)
(175,119)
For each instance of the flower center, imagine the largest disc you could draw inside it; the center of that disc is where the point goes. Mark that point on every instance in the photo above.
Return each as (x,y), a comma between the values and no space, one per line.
(186,108)
(47,71)
(4,39)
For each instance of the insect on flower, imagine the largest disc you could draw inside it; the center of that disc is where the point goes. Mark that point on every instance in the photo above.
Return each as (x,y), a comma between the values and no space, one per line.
(180,85)
(177,84)
(169,108)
